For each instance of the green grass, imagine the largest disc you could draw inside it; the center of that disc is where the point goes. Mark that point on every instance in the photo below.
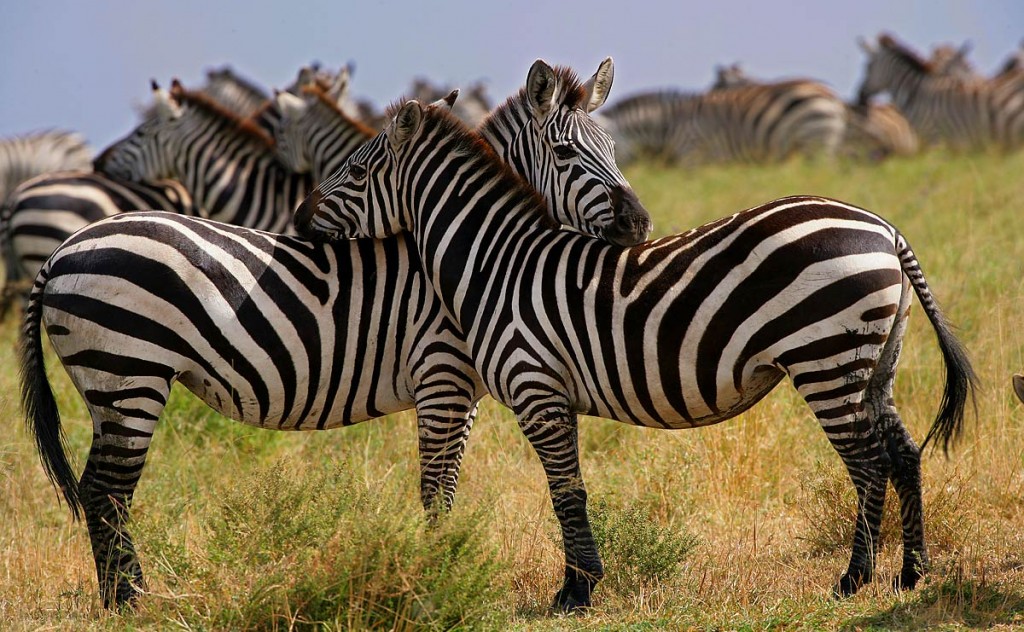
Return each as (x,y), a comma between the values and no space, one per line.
(744,525)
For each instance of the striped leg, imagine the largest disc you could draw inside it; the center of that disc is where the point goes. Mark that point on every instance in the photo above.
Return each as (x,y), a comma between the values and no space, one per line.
(553,436)
(839,406)
(443,434)
(108,485)
(116,459)
(903,452)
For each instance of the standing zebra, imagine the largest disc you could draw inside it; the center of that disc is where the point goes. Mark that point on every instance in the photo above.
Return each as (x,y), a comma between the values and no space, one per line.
(30,155)
(944,109)
(679,332)
(754,122)
(874,131)
(273,330)
(228,165)
(234,92)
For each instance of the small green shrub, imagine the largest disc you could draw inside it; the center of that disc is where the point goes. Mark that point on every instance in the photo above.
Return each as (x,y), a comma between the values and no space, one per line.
(638,552)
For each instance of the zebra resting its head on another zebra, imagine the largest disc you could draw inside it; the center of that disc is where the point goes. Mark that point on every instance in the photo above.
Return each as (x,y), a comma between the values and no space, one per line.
(680,332)
(570,157)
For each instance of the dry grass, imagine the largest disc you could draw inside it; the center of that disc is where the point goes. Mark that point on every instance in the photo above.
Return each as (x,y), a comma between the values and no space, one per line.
(243,528)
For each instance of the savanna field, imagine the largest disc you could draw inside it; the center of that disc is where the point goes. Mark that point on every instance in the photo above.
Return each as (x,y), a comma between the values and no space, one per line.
(744,525)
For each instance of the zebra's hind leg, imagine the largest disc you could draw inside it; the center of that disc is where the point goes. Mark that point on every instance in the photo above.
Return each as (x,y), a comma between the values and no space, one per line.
(443,434)
(554,438)
(123,426)
(838,404)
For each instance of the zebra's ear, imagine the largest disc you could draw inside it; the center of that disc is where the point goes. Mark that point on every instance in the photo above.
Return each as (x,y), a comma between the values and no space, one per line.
(598,86)
(406,123)
(447,101)
(865,46)
(290,105)
(164,107)
(540,88)
(338,88)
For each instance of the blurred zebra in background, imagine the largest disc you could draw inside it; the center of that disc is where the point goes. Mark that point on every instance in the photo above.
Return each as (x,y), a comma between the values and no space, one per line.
(944,109)
(873,132)
(746,121)
(1018,386)
(274,330)
(27,156)
(234,92)
(472,106)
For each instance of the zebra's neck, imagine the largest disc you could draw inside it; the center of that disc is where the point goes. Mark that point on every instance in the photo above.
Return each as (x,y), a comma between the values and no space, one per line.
(508,130)
(904,81)
(332,138)
(468,218)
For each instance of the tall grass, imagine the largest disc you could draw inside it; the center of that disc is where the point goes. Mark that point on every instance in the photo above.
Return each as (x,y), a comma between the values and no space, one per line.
(744,525)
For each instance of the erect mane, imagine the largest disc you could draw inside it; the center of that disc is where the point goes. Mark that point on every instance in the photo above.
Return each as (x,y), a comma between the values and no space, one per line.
(903,52)
(569,91)
(320,93)
(467,142)
(207,105)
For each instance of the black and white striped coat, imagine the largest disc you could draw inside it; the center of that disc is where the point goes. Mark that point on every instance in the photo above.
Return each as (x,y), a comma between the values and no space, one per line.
(961,114)
(679,332)
(751,122)
(271,330)
(30,155)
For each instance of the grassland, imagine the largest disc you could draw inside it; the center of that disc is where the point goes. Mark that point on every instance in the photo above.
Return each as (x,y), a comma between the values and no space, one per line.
(740,526)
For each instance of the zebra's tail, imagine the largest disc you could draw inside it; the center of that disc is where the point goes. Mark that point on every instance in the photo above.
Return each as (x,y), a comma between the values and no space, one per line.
(41,412)
(961,381)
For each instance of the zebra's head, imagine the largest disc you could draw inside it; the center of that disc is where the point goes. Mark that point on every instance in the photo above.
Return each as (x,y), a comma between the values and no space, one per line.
(292,133)
(566,155)
(889,64)
(361,198)
(138,156)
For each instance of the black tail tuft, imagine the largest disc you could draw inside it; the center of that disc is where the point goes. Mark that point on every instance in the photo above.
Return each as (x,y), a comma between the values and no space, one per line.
(41,412)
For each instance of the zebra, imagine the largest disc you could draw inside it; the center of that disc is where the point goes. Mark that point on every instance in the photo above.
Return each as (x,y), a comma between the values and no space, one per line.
(755,122)
(257,191)
(948,60)
(234,92)
(874,131)
(944,109)
(473,104)
(227,164)
(1018,386)
(272,330)
(44,211)
(679,332)
(26,156)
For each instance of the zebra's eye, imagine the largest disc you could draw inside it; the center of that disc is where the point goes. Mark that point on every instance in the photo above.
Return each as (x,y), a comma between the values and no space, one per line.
(357,171)
(565,152)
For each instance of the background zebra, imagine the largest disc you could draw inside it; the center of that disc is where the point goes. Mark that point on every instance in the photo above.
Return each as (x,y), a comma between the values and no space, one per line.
(750,122)
(269,329)
(1018,386)
(944,109)
(30,155)
(679,332)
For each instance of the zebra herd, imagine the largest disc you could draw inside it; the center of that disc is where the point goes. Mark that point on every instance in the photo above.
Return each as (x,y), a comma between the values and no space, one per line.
(300,272)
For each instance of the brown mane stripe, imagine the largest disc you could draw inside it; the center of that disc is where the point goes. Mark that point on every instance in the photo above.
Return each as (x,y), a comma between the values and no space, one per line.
(320,93)
(204,103)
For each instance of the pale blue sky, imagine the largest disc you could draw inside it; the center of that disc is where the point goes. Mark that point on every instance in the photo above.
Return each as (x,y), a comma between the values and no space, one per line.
(82,64)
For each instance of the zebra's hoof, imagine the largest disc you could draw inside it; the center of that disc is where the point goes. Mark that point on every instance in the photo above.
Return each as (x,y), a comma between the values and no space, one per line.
(849,584)
(908,578)
(573,597)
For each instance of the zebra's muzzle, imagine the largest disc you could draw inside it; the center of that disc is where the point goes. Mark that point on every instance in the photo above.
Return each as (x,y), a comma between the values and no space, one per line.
(303,218)
(632,224)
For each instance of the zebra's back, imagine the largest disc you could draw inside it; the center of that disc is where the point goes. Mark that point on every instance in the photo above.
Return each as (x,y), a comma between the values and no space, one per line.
(30,155)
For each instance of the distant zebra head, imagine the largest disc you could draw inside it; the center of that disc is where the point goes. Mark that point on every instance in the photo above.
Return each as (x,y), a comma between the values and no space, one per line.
(168,144)
(568,157)
(731,76)
(951,61)
(142,145)
(890,65)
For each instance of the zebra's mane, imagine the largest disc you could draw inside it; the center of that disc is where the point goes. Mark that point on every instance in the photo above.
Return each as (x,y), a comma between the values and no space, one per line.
(465,141)
(204,103)
(320,93)
(904,53)
(569,91)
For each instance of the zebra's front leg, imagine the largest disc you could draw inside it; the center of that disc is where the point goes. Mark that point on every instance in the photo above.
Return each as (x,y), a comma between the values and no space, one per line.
(554,438)
(108,482)
(443,434)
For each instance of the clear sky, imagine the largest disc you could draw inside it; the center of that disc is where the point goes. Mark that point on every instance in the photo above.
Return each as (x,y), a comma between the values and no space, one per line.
(82,64)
